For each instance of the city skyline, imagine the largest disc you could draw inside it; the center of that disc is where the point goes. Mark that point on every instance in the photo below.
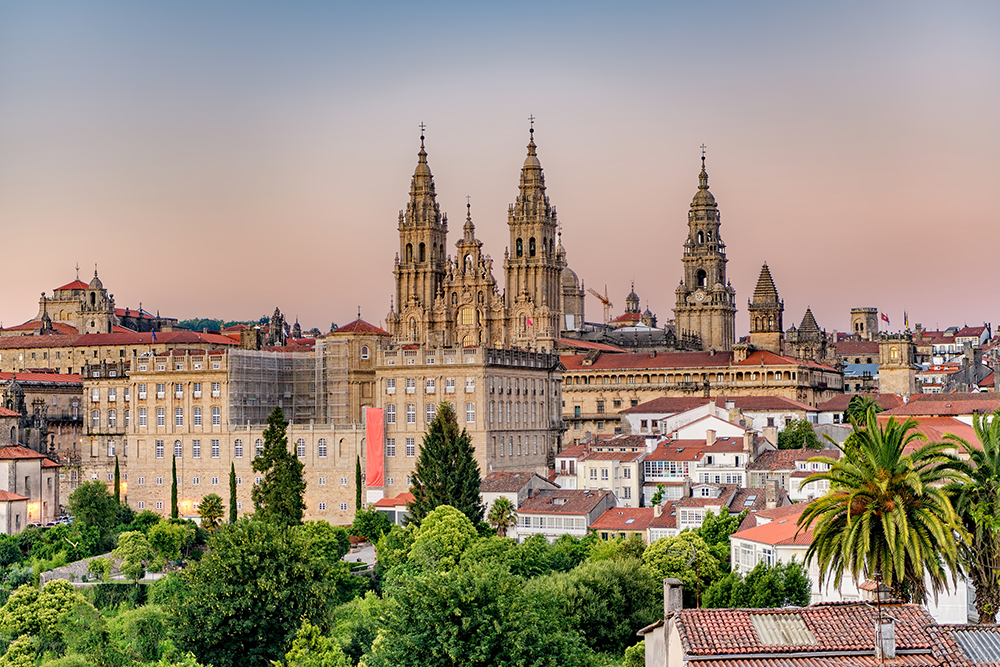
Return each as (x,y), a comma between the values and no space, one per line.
(218,161)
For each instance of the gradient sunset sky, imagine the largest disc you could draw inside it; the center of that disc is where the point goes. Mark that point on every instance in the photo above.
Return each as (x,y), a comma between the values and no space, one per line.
(219,159)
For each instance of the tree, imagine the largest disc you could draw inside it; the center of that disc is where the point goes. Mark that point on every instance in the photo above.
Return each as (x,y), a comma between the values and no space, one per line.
(118,482)
(798,434)
(370,524)
(173,488)
(100,568)
(886,511)
(686,557)
(635,656)
(474,617)
(658,495)
(326,543)
(232,492)
(765,586)
(357,485)
(278,498)
(311,649)
(502,516)
(715,529)
(248,595)
(446,472)
(211,511)
(859,407)
(41,613)
(134,552)
(441,538)
(167,538)
(977,504)
(92,505)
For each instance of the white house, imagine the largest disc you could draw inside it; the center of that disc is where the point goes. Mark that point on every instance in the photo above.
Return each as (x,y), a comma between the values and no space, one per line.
(561,512)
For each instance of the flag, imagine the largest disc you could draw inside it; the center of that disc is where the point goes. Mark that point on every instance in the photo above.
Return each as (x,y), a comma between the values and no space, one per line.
(529,322)
(885,319)
(906,320)
(154,335)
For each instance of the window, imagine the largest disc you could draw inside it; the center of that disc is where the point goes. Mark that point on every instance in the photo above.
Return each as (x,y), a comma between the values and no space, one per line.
(215,481)
(626,473)
(128,418)
(300,448)
(411,413)
(95,419)
(604,474)
(142,416)
(238,448)
(178,416)
(258,447)
(343,507)
(161,390)
(112,394)
(411,386)
(95,395)
(429,386)
(141,480)
(112,418)
(470,413)
(142,504)
(128,393)
(322,507)
(142,390)
(411,447)
(365,352)
(161,417)
(216,416)
(196,388)
(343,481)
(111,448)
(627,492)
(179,390)
(600,407)
(216,392)
(215,449)
(322,481)
(321,448)
(195,480)
(390,414)
(239,480)
(196,449)
(431,410)
(159,504)
(390,446)
(159,451)
(389,481)
(197,416)
(449,386)
(593,474)
(390,386)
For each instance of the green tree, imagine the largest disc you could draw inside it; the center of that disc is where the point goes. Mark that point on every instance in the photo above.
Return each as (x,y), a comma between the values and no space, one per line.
(21,653)
(394,546)
(658,495)
(686,557)
(618,548)
(141,633)
(327,543)
(446,472)
(716,529)
(886,511)
(977,504)
(232,492)
(40,613)
(798,434)
(211,511)
(357,485)
(278,498)
(357,625)
(100,568)
(134,552)
(763,587)
(635,656)
(473,617)
(247,596)
(173,488)
(502,516)
(92,506)
(311,649)
(370,524)
(118,482)
(441,538)
(167,538)
(858,408)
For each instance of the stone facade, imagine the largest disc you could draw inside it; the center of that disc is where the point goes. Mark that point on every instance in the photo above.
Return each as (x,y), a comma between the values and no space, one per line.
(766,309)
(864,323)
(896,371)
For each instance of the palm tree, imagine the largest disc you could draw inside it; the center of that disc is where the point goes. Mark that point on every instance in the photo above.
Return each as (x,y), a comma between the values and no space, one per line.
(978,507)
(502,516)
(859,407)
(886,511)
(211,511)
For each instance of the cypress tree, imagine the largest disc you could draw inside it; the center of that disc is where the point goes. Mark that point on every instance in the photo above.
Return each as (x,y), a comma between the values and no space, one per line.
(279,496)
(118,482)
(357,486)
(446,472)
(173,488)
(232,492)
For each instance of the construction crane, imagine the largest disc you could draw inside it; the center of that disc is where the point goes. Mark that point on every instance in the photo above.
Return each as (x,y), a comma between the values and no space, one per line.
(603,298)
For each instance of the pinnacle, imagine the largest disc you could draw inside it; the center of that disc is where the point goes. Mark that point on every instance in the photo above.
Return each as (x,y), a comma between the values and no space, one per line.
(808,322)
(765,292)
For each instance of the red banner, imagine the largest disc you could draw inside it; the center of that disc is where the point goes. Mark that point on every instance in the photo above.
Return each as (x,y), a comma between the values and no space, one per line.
(373,447)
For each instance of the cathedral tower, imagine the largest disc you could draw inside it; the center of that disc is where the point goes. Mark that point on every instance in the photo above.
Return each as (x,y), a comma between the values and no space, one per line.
(766,310)
(706,302)
(532,265)
(864,323)
(420,264)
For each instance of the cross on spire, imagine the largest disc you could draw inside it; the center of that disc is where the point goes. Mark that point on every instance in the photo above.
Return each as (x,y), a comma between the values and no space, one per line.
(703,147)
(531,119)
(78,270)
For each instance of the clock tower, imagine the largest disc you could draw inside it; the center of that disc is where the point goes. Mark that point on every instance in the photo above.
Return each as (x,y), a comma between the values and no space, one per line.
(706,302)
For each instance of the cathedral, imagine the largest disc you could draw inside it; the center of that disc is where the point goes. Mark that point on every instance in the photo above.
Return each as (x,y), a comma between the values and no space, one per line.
(443,301)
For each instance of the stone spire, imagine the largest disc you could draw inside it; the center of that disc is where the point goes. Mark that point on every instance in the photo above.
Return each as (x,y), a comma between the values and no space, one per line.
(765,293)
(808,323)
(469,229)
(766,310)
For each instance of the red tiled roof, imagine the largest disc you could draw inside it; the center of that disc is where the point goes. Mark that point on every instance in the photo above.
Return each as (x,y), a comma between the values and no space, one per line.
(678,450)
(76,284)
(576,451)
(627,317)
(625,457)
(7,412)
(765,358)
(7,496)
(49,463)
(646,361)
(624,518)
(362,327)
(781,531)
(781,512)
(725,445)
(786,459)
(946,404)
(129,338)
(18,452)
(667,405)
(396,501)
(668,519)
(36,377)
(670,405)
(505,482)
(587,345)
(132,312)
(969,332)
(935,428)
(57,327)
(848,347)
(989,380)
(576,502)
(840,402)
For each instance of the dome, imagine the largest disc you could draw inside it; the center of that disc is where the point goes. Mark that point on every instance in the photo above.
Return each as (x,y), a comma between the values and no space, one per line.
(570,279)
(96,283)
(703,198)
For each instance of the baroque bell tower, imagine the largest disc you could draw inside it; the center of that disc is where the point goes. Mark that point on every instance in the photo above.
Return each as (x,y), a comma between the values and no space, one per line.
(706,301)
(420,263)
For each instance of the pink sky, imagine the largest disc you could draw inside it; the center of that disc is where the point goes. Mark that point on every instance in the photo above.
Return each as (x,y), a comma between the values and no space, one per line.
(219,161)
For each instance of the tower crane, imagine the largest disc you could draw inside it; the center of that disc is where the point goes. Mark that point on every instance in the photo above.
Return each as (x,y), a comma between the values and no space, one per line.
(603,298)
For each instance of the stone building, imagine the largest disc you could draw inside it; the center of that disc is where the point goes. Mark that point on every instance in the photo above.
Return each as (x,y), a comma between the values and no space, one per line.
(766,309)
(808,341)
(864,323)
(706,301)
(896,370)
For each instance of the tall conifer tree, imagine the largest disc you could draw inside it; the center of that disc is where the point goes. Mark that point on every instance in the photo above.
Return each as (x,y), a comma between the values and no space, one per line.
(118,482)
(173,488)
(279,496)
(232,492)
(446,472)
(357,486)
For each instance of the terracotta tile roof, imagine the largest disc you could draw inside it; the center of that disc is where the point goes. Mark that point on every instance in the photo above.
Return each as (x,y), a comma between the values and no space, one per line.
(361,327)
(668,519)
(781,512)
(633,441)
(646,361)
(726,495)
(725,446)
(624,518)
(574,502)
(11,452)
(904,660)
(945,404)
(670,405)
(49,463)
(989,380)
(624,457)
(587,345)
(786,459)
(396,501)
(666,405)
(840,402)
(76,284)
(848,347)
(935,428)
(505,482)
(969,332)
(7,412)
(236,328)
(678,450)
(57,327)
(840,627)
(765,403)
(35,377)
(575,452)
(765,358)
(129,338)
(782,531)
(7,496)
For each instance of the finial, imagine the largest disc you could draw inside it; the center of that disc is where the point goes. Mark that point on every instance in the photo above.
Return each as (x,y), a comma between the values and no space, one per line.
(78,270)
(531,119)
(703,176)
(703,147)
(95,269)
(359,312)
(422,128)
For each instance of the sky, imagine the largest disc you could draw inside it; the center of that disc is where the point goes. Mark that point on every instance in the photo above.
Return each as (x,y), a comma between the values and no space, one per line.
(220,159)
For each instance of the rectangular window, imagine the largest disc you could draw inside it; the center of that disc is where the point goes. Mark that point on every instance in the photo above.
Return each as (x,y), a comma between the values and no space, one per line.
(390,386)
(390,414)
(321,448)
(470,385)
(159,504)
(142,416)
(95,395)
(95,419)
(159,450)
(600,407)
(429,386)
(626,473)
(111,448)
(343,507)
(128,393)
(197,416)
(627,492)
(593,474)
(112,394)
(142,390)
(431,410)
(300,448)
(411,386)
(178,449)
(178,416)
(142,505)
(179,390)
(216,391)
(161,390)
(215,481)
(159,481)
(112,418)
(322,507)
(128,418)
(390,446)
(322,481)
(411,447)
(470,413)
(216,416)
(343,481)
(196,449)
(238,448)
(196,481)
(161,417)
(196,388)
(411,413)
(215,449)
(449,386)
(604,474)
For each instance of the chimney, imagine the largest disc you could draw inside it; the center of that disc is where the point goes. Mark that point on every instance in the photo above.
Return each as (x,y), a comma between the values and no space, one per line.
(730,405)
(771,434)
(885,637)
(711,406)
(687,488)
(748,444)
(673,596)
(710,437)
(651,441)
(770,494)
(657,511)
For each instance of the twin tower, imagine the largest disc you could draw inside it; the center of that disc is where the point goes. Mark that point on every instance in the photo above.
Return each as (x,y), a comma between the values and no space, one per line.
(446,301)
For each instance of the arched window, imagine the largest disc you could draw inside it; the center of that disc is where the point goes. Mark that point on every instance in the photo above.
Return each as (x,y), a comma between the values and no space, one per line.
(531,247)
(467,316)
(365,352)
(178,449)
(423,252)
(409,252)
(468,341)
(93,298)
(519,248)
(702,278)
(708,235)
(770,323)
(700,237)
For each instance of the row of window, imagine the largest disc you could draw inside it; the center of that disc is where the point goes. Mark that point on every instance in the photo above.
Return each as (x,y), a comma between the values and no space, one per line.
(161,392)
(510,446)
(179,366)
(430,386)
(300,448)
(514,410)
(429,413)
(626,473)
(411,447)
(161,417)
(239,506)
